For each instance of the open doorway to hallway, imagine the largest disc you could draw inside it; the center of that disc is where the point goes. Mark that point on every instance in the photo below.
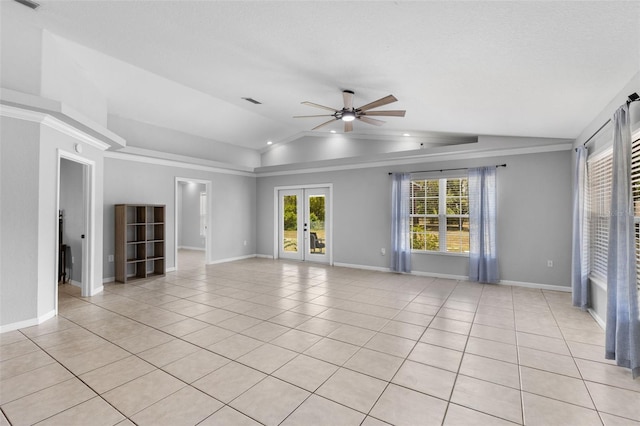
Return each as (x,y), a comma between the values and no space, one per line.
(75,236)
(192,222)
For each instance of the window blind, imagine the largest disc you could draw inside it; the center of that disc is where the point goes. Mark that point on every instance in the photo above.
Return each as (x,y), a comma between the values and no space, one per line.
(599,171)
(635,188)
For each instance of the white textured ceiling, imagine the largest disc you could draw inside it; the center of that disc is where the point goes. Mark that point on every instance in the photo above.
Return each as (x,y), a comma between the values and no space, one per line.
(542,69)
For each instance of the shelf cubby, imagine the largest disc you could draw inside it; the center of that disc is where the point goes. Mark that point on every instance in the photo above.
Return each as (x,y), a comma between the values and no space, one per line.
(140,245)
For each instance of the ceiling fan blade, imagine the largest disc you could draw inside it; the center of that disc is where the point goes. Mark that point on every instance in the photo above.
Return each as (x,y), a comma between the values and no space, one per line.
(347,95)
(390,113)
(324,124)
(319,106)
(375,104)
(348,126)
(309,116)
(371,121)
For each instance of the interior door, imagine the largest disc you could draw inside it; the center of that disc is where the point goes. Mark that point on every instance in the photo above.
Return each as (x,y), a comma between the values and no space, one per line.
(304,224)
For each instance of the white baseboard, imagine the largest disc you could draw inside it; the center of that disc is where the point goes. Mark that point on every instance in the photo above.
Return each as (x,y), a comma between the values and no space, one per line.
(596,317)
(108,280)
(231,259)
(536,285)
(75,283)
(443,276)
(265,256)
(171,269)
(191,248)
(458,277)
(27,323)
(97,291)
(365,267)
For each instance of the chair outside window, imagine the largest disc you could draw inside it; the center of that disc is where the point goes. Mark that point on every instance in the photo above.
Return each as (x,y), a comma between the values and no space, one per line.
(315,243)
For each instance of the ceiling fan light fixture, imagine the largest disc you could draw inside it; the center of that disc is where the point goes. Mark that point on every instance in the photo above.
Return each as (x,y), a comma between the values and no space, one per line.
(348,116)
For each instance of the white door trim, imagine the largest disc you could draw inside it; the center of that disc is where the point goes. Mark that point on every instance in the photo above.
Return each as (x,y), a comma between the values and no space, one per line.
(276,215)
(207,244)
(89,211)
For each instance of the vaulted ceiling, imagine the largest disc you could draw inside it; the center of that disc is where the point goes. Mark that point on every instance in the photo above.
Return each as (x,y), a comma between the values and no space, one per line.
(541,69)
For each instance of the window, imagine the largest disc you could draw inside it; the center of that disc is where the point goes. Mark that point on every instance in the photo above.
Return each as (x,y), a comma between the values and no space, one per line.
(599,169)
(599,204)
(203,214)
(439,215)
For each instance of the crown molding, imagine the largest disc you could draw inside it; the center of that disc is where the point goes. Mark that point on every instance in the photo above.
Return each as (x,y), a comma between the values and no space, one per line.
(48,120)
(183,164)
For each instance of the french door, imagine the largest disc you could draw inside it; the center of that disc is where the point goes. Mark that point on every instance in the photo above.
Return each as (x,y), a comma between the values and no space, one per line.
(304,224)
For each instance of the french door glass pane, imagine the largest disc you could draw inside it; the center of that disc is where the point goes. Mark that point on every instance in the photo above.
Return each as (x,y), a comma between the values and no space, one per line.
(317,234)
(290,225)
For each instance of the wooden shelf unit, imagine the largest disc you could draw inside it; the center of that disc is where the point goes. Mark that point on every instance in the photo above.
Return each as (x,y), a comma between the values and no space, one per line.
(140,244)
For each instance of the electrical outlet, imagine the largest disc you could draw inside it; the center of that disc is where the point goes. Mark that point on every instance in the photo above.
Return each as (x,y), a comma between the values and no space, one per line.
(383,251)
(245,242)
(73,259)
(110,258)
(549,263)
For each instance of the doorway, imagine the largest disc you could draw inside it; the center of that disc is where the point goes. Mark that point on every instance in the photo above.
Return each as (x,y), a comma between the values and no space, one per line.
(304,224)
(76,211)
(192,230)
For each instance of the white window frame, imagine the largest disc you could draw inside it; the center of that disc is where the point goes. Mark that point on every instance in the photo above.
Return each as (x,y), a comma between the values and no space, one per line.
(442,215)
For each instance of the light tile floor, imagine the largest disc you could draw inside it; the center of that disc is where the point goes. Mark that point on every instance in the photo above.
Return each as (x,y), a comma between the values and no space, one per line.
(276,342)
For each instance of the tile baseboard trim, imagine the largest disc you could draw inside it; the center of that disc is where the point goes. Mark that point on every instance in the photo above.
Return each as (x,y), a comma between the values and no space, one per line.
(27,323)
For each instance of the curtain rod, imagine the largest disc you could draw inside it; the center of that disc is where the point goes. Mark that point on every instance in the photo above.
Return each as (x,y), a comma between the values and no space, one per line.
(631,98)
(447,170)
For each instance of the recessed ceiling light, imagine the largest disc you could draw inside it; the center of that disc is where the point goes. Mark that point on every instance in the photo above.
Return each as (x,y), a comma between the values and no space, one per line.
(269,143)
(333,131)
(406,134)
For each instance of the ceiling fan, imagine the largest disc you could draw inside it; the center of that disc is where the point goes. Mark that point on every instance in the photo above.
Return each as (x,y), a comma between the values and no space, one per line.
(348,113)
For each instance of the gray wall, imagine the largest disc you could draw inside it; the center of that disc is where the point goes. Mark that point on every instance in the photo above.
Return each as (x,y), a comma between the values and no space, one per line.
(29,197)
(19,151)
(534,199)
(233,205)
(189,215)
(73,213)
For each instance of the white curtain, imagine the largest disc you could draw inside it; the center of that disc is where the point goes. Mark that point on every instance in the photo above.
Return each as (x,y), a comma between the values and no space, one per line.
(579,266)
(483,257)
(400,243)
(623,322)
